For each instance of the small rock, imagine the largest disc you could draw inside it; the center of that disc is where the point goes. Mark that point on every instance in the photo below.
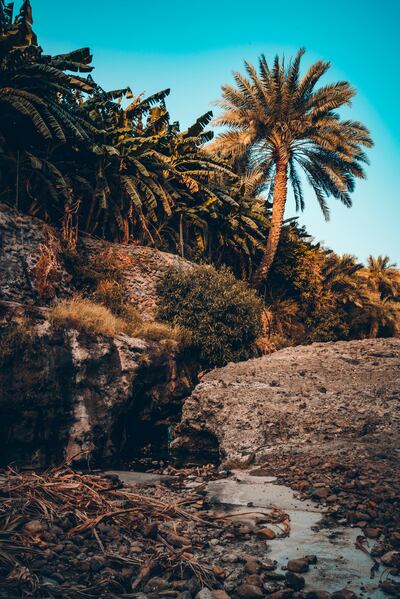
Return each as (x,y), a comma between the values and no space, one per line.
(344,594)
(218,571)
(266,533)
(318,595)
(150,530)
(178,541)
(33,527)
(254,579)
(156,585)
(298,565)
(372,533)
(219,594)
(294,581)
(391,558)
(321,494)
(390,587)
(268,564)
(252,567)
(204,594)
(249,591)
(284,594)
(312,559)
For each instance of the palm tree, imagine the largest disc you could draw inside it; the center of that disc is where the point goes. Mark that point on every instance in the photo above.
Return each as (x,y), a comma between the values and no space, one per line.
(277,121)
(382,276)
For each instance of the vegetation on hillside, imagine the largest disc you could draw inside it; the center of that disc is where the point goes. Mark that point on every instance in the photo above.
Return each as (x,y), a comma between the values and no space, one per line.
(114,165)
(222,314)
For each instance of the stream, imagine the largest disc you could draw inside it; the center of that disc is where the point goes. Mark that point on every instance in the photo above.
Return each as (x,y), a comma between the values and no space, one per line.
(340,564)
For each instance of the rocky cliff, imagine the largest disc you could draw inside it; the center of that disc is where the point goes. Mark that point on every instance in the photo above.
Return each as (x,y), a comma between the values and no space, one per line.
(28,247)
(68,395)
(325,395)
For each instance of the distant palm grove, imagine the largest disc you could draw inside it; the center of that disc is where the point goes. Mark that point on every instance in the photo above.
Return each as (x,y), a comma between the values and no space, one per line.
(113,165)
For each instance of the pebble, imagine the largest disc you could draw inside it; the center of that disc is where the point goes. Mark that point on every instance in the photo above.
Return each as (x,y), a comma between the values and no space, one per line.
(219,594)
(249,591)
(266,533)
(156,585)
(298,565)
(33,527)
(204,594)
(284,594)
(344,594)
(218,571)
(294,581)
(252,567)
(391,558)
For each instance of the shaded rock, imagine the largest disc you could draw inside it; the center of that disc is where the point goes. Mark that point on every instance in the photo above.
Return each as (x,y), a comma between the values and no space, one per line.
(204,593)
(219,594)
(294,581)
(266,533)
(156,585)
(34,527)
(391,558)
(298,565)
(249,591)
(247,416)
(344,594)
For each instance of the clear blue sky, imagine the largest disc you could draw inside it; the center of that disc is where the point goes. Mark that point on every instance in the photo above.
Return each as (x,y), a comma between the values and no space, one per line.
(193,47)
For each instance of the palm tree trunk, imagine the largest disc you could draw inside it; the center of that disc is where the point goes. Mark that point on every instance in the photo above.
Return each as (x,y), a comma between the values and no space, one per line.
(278,210)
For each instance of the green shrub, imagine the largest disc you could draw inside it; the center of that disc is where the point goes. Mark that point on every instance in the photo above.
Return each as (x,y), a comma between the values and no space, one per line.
(222,314)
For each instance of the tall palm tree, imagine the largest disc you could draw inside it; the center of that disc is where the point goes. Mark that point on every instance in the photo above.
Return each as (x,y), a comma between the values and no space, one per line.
(277,121)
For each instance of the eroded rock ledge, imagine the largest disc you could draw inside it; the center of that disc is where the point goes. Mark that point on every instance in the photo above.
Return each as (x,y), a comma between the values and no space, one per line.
(321,394)
(74,397)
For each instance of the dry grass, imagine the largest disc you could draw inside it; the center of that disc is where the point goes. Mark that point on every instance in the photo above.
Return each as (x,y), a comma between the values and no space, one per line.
(84,315)
(88,316)
(157,331)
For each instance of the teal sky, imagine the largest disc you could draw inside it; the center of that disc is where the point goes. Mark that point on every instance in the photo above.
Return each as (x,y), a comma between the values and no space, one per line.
(193,47)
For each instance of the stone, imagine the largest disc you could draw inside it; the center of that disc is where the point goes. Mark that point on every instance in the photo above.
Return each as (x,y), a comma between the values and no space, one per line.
(220,594)
(283,594)
(372,533)
(254,579)
(320,494)
(156,585)
(344,594)
(235,420)
(34,527)
(177,540)
(150,530)
(249,591)
(218,571)
(318,595)
(298,565)
(266,533)
(294,581)
(252,567)
(390,587)
(391,558)
(204,593)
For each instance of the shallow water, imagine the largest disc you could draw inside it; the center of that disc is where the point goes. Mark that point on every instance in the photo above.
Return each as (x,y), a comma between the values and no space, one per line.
(340,565)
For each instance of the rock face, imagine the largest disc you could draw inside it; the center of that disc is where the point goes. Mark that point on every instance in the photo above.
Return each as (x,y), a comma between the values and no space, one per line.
(344,392)
(69,396)
(25,241)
